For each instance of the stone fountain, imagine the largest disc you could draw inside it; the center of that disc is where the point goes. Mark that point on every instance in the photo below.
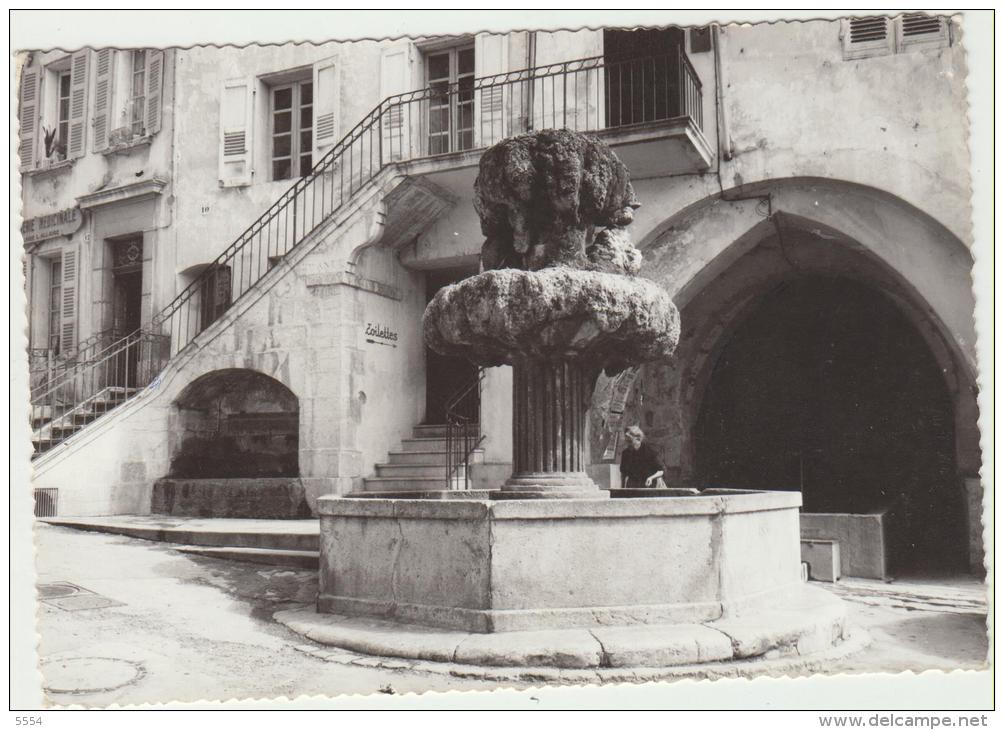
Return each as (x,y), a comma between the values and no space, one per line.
(544,571)
(559,300)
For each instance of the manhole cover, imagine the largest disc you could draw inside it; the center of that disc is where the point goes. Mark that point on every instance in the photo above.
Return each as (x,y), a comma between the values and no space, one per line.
(57,590)
(70,597)
(85,675)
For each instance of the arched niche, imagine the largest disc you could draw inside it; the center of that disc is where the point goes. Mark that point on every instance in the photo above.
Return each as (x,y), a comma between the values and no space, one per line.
(235,423)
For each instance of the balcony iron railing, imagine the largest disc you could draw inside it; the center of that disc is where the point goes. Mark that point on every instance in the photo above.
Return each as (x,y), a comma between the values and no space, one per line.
(585,95)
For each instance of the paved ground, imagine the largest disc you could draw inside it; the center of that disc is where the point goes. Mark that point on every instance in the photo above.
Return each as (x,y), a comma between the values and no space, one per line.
(190,628)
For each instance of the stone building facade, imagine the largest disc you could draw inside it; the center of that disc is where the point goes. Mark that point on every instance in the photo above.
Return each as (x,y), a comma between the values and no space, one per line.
(267,224)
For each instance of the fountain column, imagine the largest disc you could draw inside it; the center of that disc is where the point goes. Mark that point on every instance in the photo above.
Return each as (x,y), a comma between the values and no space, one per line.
(549,403)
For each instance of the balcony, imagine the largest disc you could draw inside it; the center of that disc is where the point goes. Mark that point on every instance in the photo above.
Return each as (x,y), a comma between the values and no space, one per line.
(650,110)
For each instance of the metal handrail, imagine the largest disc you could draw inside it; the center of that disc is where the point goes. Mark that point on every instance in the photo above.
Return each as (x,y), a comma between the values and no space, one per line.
(463,430)
(575,94)
(83,346)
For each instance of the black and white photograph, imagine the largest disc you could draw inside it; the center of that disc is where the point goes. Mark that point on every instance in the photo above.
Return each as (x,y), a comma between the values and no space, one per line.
(502,352)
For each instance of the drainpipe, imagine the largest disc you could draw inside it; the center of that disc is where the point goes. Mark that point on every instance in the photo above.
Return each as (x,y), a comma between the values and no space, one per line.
(725,146)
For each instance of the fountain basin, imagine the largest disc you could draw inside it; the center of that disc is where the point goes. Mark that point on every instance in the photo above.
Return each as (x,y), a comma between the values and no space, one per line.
(485,566)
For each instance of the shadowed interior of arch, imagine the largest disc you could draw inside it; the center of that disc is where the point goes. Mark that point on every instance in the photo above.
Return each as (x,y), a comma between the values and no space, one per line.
(236,423)
(826,387)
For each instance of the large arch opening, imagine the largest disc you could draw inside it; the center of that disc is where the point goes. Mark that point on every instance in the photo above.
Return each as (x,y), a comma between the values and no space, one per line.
(787,321)
(233,424)
(827,388)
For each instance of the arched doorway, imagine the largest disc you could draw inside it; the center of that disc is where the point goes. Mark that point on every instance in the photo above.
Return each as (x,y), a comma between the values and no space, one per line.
(236,423)
(826,386)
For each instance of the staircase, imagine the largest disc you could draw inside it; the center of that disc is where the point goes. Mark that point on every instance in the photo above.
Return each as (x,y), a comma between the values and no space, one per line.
(420,465)
(387,136)
(50,431)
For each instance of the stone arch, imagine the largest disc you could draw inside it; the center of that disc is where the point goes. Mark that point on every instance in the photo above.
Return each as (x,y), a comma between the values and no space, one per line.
(693,246)
(721,258)
(235,423)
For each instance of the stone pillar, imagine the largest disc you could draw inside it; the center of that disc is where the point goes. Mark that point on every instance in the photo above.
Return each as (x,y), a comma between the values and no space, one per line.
(550,399)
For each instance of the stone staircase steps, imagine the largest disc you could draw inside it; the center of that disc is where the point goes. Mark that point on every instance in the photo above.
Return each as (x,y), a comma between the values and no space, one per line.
(412,470)
(427,457)
(54,431)
(424,444)
(420,465)
(434,431)
(405,484)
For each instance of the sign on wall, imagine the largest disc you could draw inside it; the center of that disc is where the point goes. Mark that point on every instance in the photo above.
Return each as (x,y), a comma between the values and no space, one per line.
(61,223)
(378,334)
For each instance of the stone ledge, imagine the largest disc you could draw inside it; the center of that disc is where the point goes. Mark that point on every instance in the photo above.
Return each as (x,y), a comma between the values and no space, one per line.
(538,509)
(813,621)
(345,278)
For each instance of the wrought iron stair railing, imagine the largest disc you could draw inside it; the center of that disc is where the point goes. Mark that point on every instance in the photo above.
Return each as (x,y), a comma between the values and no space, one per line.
(463,432)
(587,94)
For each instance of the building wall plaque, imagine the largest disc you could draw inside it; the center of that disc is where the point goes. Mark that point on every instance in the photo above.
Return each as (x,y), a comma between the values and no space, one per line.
(61,223)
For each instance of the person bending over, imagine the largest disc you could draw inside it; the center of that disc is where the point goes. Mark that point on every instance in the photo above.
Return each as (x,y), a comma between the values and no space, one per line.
(640,466)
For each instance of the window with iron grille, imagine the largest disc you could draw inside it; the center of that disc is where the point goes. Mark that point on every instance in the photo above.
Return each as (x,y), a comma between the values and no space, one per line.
(46,502)
(292,115)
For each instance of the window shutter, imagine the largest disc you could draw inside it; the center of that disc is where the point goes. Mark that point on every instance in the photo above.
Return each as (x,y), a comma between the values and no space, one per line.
(397,75)
(78,104)
(918,30)
(28,117)
(68,309)
(154,86)
(327,89)
(236,126)
(491,56)
(866,37)
(102,97)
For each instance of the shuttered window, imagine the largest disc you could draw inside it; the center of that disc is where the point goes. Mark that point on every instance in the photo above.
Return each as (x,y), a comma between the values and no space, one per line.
(236,131)
(867,37)
(879,36)
(68,306)
(918,31)
(28,117)
(103,87)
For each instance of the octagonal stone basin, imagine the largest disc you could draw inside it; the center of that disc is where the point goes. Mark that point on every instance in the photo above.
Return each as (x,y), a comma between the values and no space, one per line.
(482,565)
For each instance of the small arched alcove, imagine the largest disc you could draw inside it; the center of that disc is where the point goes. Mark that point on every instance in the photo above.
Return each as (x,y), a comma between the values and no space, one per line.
(236,423)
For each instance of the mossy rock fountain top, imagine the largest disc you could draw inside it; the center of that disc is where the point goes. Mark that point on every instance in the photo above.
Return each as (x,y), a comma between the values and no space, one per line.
(560,299)
(561,278)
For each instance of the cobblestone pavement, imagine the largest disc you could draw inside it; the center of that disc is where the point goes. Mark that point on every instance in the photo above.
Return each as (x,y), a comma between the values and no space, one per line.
(126,621)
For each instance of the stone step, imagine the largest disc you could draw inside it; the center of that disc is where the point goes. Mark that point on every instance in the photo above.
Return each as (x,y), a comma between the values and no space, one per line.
(307,559)
(404,484)
(436,430)
(424,444)
(413,470)
(437,457)
(221,532)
